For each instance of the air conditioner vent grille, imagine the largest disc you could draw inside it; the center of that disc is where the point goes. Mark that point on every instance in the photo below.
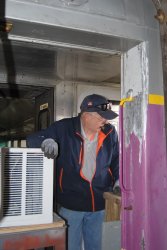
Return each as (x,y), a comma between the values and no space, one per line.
(34,184)
(12,184)
(27,187)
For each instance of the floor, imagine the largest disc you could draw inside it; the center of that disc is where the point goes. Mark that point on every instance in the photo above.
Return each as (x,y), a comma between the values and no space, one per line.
(111,235)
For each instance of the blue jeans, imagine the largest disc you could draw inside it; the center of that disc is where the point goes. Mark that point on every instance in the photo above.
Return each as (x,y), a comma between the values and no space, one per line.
(83,226)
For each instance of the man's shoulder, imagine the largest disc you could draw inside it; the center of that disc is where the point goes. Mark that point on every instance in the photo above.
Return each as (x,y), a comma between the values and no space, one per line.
(68,120)
(71,122)
(110,130)
(109,127)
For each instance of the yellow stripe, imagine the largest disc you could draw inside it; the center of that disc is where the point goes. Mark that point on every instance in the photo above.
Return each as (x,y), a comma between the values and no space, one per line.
(152,99)
(130,99)
(156,99)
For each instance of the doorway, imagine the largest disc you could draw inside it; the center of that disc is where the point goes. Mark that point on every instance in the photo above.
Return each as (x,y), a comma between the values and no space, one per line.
(77,72)
(22,114)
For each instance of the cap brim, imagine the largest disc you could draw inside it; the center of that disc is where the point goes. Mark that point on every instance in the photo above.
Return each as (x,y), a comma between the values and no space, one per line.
(108,114)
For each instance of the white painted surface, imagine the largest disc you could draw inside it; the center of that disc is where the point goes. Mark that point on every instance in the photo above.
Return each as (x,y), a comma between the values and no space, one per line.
(135,84)
(135,71)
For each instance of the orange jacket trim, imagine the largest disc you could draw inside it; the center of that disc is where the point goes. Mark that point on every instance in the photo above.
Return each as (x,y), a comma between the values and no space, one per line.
(60,179)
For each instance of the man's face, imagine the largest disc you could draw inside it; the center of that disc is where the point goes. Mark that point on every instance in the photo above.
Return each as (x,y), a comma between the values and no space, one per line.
(95,122)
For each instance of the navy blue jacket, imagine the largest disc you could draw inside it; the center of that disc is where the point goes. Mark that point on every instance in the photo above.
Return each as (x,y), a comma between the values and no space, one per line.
(73,191)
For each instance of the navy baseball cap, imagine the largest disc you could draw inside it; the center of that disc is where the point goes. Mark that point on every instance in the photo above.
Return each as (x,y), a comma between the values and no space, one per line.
(99,104)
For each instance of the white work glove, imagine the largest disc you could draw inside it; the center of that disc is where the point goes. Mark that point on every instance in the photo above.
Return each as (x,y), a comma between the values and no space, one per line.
(50,148)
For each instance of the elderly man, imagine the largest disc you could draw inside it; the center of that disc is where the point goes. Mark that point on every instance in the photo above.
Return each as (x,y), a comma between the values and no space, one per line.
(87,165)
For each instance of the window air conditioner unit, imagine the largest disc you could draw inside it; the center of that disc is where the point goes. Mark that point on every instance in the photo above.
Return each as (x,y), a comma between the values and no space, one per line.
(26,178)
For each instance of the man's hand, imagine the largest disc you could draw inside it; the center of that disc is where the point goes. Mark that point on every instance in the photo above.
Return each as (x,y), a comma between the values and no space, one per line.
(117,191)
(50,148)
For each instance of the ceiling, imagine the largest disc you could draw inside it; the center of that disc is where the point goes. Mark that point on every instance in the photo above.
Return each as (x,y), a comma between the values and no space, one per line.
(53,64)
(26,66)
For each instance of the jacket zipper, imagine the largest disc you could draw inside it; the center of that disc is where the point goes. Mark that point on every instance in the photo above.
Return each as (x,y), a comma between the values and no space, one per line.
(81,161)
(81,149)
(92,195)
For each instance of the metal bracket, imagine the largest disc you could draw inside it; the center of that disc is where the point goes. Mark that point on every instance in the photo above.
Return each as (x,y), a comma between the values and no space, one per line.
(161,16)
(5,26)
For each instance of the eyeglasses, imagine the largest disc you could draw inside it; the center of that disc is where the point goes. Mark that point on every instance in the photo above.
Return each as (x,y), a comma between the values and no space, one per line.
(105,106)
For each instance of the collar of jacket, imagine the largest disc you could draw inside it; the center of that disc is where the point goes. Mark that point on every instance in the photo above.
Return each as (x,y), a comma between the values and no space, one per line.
(77,126)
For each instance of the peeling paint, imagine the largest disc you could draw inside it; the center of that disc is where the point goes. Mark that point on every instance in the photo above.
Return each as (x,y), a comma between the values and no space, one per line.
(136,77)
(133,118)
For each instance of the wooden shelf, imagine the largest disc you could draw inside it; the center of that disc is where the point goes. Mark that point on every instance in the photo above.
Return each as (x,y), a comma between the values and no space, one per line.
(112,206)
